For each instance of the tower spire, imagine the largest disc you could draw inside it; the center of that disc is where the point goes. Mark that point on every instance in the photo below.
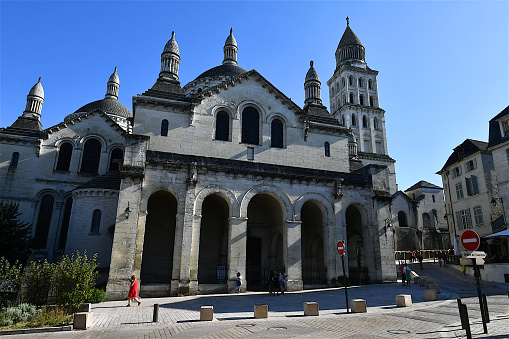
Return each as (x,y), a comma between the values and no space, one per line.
(347,21)
(312,86)
(170,59)
(35,99)
(113,85)
(230,50)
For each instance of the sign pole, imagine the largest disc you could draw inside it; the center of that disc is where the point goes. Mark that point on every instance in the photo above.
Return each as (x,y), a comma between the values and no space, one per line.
(346,283)
(477,275)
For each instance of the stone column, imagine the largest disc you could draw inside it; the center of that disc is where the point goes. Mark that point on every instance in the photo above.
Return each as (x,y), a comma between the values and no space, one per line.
(195,254)
(140,237)
(237,245)
(187,241)
(124,240)
(175,274)
(329,242)
(294,255)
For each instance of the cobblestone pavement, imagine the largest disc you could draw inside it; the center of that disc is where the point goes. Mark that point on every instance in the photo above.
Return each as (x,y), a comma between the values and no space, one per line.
(233,314)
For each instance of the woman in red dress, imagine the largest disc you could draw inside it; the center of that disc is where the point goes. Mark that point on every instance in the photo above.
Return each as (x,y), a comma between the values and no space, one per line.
(133,291)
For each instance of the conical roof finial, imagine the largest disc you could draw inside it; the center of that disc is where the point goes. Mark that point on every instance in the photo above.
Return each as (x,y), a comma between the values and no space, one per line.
(347,21)
(230,50)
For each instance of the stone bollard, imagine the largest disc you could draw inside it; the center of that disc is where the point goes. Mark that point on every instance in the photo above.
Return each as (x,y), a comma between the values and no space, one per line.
(404,300)
(435,287)
(310,308)
(426,286)
(358,306)
(86,307)
(83,320)
(261,311)
(430,295)
(422,282)
(206,313)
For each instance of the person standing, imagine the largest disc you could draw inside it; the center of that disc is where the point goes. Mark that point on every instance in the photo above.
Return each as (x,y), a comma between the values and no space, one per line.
(133,291)
(239,281)
(271,283)
(407,271)
(282,282)
(403,276)
(419,257)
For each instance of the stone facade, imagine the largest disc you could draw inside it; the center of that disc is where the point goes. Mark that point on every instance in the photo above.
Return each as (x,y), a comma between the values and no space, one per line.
(223,175)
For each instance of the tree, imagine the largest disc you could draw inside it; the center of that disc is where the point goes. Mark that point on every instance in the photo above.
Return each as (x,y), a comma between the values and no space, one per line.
(16,236)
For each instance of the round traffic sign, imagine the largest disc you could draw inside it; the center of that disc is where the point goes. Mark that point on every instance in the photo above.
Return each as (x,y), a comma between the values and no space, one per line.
(341,248)
(470,240)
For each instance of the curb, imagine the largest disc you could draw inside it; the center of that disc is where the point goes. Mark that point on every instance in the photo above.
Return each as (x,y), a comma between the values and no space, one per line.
(37,330)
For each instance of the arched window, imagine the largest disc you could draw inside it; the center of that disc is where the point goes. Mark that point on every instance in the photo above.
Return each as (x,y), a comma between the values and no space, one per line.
(350,80)
(372,101)
(64,157)
(14,160)
(65,224)
(326,146)
(402,220)
(344,99)
(343,82)
(364,121)
(360,82)
(426,220)
(250,126)
(116,159)
(276,133)
(91,156)
(222,126)
(43,221)
(375,123)
(361,99)
(354,120)
(164,128)
(351,98)
(343,119)
(370,84)
(96,222)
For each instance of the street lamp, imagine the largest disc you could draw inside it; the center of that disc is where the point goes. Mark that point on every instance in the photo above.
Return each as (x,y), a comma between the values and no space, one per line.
(127,211)
(388,226)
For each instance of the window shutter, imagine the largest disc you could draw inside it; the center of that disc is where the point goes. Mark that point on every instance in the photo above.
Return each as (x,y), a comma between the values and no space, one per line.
(475,186)
(469,218)
(475,163)
(458,221)
(468,182)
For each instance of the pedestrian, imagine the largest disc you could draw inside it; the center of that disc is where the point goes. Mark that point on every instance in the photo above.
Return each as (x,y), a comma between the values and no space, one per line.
(275,283)
(282,282)
(407,271)
(419,257)
(439,259)
(133,291)
(444,258)
(464,269)
(403,276)
(238,279)
(271,283)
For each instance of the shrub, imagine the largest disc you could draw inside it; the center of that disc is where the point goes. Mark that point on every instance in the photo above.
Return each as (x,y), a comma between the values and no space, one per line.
(96,296)
(75,278)
(38,279)
(10,281)
(21,313)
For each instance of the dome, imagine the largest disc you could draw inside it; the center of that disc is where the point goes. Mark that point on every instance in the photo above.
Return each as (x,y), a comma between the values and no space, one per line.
(312,74)
(114,77)
(109,106)
(349,38)
(231,39)
(37,90)
(171,45)
(227,70)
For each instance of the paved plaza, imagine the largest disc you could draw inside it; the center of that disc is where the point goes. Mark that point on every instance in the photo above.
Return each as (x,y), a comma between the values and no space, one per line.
(234,316)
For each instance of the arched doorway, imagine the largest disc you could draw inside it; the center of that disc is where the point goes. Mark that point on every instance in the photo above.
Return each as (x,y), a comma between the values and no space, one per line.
(357,269)
(314,271)
(265,245)
(157,259)
(213,241)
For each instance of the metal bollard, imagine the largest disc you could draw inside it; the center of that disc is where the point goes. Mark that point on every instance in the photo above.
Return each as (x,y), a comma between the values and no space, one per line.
(485,307)
(156,313)
(465,324)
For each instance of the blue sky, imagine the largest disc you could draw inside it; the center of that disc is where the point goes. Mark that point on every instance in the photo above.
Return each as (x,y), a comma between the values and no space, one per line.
(443,64)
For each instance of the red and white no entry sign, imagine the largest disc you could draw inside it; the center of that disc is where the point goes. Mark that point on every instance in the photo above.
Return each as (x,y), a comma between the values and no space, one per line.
(341,248)
(470,240)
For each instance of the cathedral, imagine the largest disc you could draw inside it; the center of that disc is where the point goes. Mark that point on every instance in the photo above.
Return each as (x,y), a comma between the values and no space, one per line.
(224,174)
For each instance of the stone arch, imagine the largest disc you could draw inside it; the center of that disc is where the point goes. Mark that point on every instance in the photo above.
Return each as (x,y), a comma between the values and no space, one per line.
(83,140)
(324,205)
(220,190)
(151,189)
(255,104)
(274,191)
